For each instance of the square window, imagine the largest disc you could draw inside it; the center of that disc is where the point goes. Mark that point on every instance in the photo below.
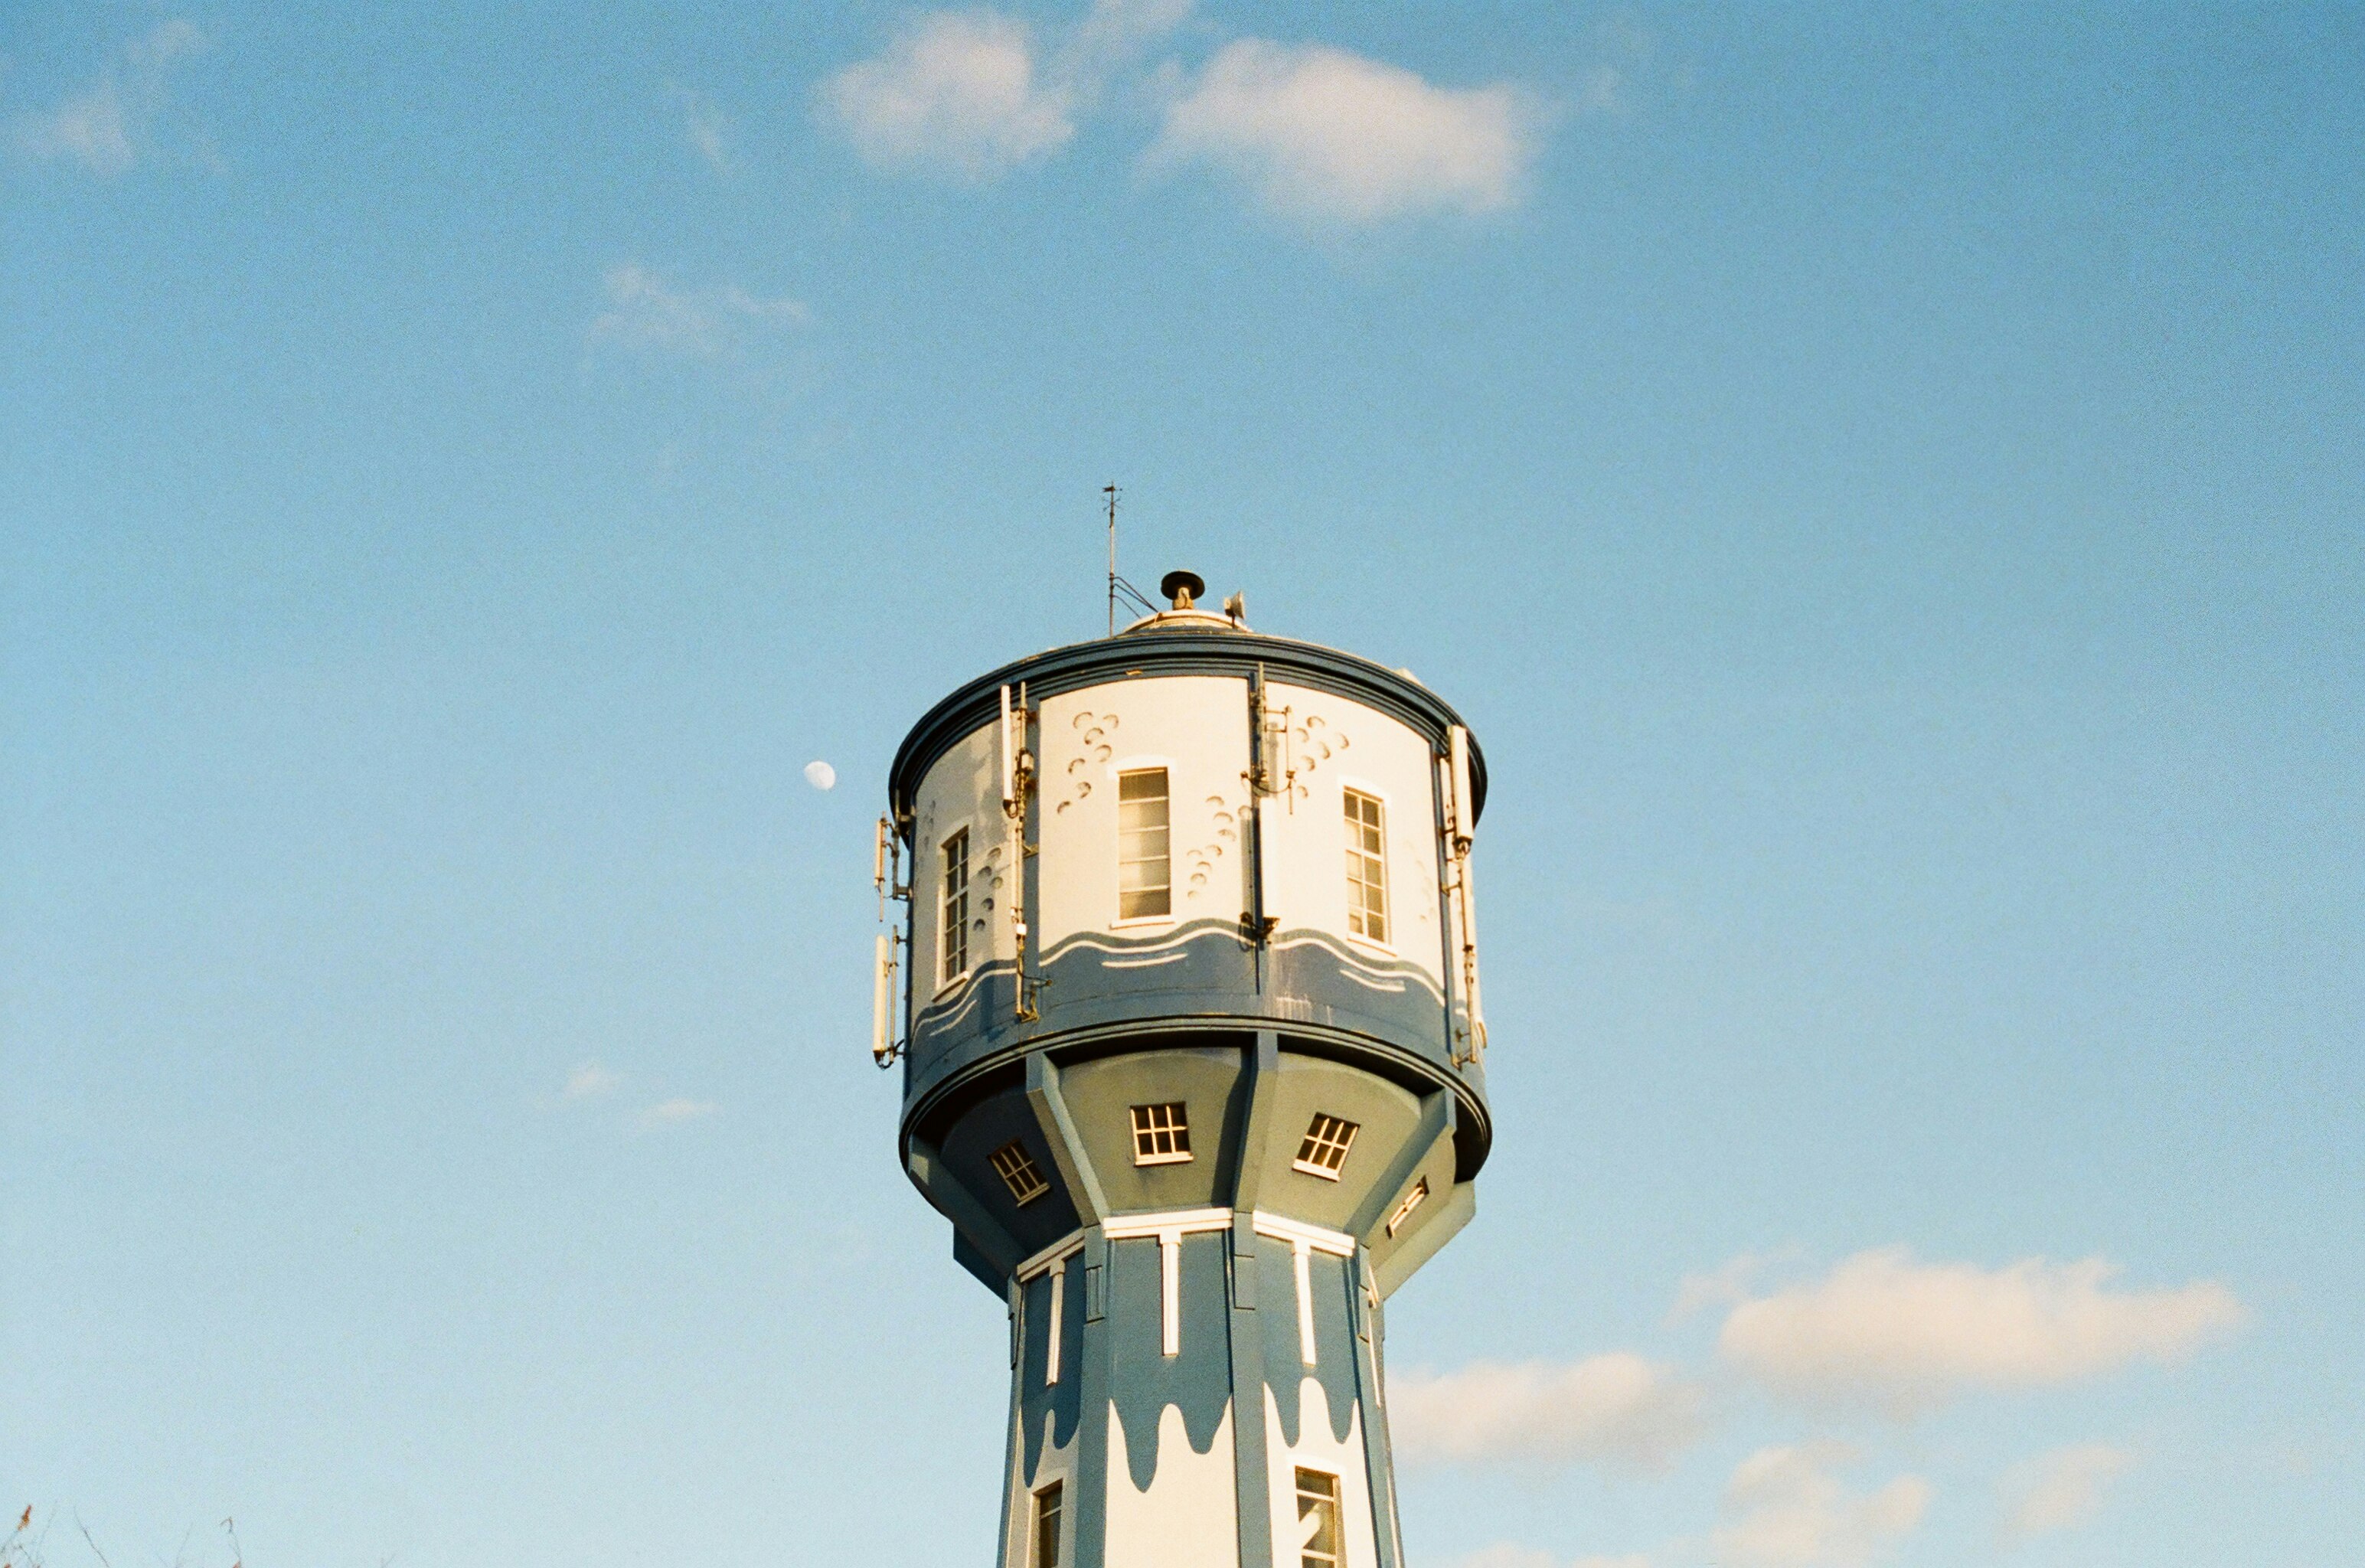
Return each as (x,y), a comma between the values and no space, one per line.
(1317,1520)
(1018,1172)
(1324,1149)
(1161,1135)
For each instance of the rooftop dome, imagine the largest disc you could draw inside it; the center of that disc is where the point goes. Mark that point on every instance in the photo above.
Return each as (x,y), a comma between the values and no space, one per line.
(1185,588)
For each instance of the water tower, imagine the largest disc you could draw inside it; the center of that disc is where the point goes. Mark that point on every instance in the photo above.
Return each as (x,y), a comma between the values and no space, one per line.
(1192,1050)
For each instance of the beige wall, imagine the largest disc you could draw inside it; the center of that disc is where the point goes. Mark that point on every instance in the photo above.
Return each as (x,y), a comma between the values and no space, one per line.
(1335,743)
(1194,726)
(1197,728)
(963,790)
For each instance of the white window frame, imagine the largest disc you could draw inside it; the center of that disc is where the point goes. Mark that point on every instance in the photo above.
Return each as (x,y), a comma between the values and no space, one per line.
(1334,1498)
(1387,880)
(1412,1200)
(1182,1125)
(1051,1329)
(1169,1229)
(1055,1490)
(1117,772)
(1346,1146)
(1025,1166)
(944,901)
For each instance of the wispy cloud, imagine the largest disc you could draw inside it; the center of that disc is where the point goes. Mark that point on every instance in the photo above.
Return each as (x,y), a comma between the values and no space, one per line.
(589,1081)
(1625,50)
(1784,1508)
(1726,1285)
(2060,1490)
(956,93)
(89,128)
(1325,135)
(708,130)
(1112,36)
(1509,1554)
(644,311)
(666,1113)
(1884,1331)
(111,125)
(1506,1554)
(1616,1410)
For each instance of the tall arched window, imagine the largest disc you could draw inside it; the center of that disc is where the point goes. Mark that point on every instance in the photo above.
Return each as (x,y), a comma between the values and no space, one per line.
(1367,868)
(1145,873)
(953,955)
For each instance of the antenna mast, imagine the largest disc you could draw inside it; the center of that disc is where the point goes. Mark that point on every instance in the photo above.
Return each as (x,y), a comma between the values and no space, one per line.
(1134,600)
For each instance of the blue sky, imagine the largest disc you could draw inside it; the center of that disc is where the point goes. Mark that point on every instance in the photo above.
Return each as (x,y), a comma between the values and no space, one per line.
(1883,485)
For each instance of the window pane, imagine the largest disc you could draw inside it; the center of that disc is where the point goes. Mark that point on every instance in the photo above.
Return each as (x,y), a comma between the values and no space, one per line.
(1019,1173)
(953,961)
(1144,864)
(1160,1133)
(1046,1527)
(1367,896)
(1317,1520)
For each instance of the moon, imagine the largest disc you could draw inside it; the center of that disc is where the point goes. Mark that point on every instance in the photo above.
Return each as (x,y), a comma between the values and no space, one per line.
(821,775)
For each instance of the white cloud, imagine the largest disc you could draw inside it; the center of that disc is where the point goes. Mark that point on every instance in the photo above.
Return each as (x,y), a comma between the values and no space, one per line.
(1785,1509)
(1323,134)
(589,1080)
(821,775)
(958,93)
(1317,132)
(645,311)
(2060,1490)
(1886,1331)
(110,126)
(971,95)
(1612,1409)
(666,1112)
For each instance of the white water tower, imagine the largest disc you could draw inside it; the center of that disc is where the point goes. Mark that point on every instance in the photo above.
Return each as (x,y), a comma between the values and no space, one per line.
(1193,1048)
